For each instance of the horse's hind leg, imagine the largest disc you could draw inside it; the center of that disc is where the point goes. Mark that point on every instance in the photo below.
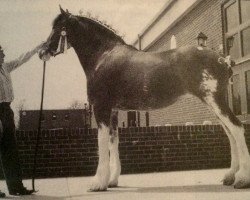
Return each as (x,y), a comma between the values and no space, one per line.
(115,165)
(240,164)
(229,177)
(101,179)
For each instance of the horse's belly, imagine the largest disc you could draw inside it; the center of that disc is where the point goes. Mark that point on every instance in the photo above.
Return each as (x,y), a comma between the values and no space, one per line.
(145,102)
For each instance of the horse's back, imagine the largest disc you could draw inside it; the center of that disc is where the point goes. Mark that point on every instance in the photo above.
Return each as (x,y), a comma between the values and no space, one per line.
(140,80)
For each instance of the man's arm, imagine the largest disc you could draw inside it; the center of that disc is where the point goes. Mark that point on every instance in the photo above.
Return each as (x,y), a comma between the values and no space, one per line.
(10,66)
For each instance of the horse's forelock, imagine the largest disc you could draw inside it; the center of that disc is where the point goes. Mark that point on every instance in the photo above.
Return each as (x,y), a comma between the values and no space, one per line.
(59,18)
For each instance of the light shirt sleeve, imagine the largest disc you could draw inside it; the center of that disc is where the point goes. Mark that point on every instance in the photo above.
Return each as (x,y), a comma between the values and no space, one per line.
(12,65)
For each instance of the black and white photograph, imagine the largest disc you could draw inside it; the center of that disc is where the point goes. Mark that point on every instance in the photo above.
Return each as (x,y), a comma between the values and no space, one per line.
(115,99)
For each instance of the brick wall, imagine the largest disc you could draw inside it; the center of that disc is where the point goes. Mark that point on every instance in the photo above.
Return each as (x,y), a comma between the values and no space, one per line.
(205,17)
(65,153)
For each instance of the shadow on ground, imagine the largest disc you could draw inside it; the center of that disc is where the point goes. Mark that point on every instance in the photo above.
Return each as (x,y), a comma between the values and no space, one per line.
(191,188)
(168,189)
(124,189)
(36,197)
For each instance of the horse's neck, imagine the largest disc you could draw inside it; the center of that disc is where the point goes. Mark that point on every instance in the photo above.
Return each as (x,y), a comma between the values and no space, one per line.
(89,54)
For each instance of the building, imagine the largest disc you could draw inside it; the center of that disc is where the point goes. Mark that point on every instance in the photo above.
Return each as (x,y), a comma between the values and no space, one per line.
(226,24)
(54,119)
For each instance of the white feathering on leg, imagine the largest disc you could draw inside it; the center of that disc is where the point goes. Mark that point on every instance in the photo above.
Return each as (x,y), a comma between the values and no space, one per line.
(101,179)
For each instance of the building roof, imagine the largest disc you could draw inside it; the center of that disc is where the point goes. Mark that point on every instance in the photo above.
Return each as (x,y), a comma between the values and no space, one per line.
(172,12)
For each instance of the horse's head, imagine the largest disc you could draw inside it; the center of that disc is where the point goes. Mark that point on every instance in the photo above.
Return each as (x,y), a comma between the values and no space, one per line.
(59,38)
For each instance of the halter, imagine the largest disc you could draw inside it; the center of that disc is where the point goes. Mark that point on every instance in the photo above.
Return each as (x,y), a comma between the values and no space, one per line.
(63,43)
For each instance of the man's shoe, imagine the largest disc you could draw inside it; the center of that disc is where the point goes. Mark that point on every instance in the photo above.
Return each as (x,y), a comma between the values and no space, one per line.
(20,191)
(2,195)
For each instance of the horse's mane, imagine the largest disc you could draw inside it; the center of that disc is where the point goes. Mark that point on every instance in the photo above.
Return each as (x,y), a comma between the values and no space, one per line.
(98,22)
(92,20)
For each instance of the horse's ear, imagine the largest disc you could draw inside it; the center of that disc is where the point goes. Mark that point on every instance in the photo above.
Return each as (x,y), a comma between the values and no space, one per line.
(62,11)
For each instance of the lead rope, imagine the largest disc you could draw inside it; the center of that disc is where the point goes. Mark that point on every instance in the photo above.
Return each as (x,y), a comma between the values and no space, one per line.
(62,48)
(38,130)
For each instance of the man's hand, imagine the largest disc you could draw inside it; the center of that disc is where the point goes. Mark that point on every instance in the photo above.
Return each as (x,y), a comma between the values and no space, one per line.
(43,55)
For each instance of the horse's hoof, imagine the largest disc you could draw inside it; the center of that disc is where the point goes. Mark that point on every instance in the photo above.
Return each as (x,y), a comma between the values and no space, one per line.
(241,185)
(93,190)
(229,179)
(113,184)
(242,180)
(97,186)
(97,189)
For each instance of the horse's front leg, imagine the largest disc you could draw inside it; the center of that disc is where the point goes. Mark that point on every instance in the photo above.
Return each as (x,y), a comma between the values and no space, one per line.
(101,179)
(115,164)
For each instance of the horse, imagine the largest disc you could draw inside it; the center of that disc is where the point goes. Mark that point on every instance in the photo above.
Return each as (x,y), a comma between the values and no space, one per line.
(121,77)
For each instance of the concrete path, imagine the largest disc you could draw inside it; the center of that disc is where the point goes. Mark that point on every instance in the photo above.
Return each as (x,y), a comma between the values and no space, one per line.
(187,185)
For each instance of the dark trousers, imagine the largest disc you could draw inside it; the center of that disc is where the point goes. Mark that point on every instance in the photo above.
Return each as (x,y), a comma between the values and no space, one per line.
(8,148)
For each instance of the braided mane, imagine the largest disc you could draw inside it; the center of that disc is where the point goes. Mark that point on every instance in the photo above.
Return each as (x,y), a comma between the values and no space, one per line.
(100,22)
(103,23)
(94,20)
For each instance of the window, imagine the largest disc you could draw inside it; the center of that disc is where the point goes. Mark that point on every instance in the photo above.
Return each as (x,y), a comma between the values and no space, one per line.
(138,119)
(246,41)
(134,119)
(131,118)
(245,10)
(147,118)
(233,51)
(42,118)
(247,74)
(236,94)
(237,26)
(232,17)
(173,43)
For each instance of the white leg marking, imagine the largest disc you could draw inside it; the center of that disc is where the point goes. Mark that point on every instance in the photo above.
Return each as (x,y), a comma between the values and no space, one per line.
(239,150)
(115,164)
(101,179)
(242,177)
(229,177)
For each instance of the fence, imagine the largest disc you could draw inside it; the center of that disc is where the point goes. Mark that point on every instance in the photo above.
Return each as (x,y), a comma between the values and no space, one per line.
(73,152)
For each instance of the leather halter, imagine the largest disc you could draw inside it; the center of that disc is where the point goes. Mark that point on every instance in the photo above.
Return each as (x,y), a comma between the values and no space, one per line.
(63,43)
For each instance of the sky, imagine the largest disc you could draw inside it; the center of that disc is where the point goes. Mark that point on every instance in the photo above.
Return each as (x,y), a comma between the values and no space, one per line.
(26,23)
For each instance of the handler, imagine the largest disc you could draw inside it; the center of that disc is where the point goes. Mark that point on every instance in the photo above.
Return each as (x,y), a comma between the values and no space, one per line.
(8,146)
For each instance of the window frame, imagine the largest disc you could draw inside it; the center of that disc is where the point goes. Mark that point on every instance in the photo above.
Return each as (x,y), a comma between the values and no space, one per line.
(236,30)
(247,95)
(239,93)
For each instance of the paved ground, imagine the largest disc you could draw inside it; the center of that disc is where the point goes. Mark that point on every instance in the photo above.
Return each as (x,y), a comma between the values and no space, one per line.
(186,185)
